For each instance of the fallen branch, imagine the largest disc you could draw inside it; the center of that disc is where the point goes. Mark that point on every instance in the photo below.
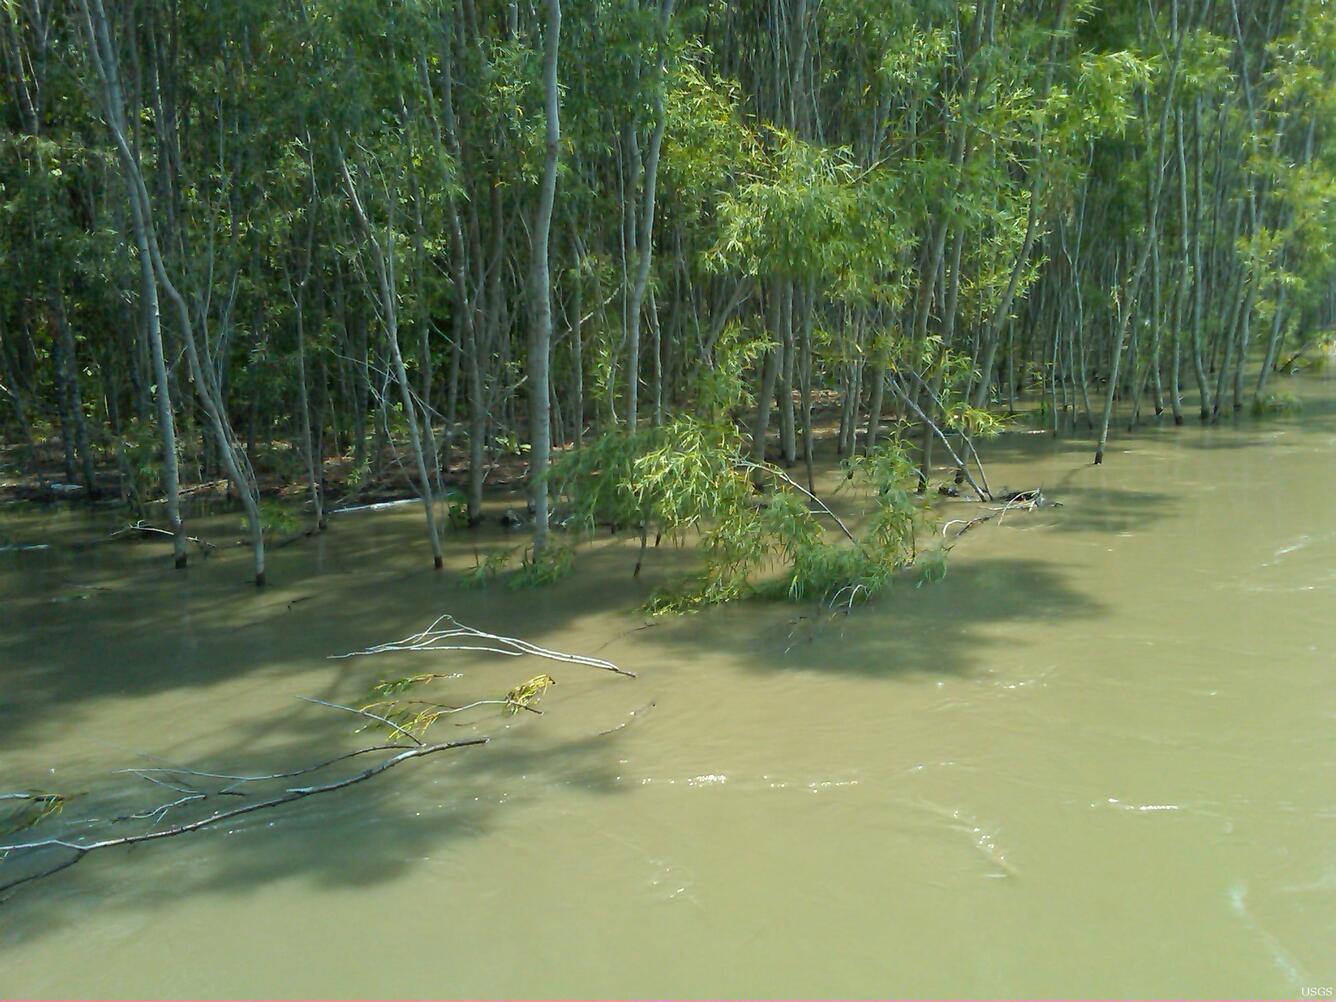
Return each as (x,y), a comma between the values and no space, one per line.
(182,771)
(377,506)
(294,537)
(144,529)
(1316,342)
(455,636)
(186,791)
(364,713)
(81,849)
(984,493)
(1016,500)
(631,718)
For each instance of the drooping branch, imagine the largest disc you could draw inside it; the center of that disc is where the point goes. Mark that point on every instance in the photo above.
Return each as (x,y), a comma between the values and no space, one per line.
(748,464)
(143,773)
(908,398)
(364,713)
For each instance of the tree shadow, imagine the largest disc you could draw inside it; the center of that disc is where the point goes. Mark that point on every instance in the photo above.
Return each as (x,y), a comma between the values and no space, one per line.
(83,633)
(373,832)
(933,630)
(384,828)
(157,633)
(1090,508)
(78,634)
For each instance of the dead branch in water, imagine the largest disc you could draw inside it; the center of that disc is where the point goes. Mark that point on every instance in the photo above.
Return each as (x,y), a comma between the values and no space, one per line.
(79,850)
(183,782)
(142,528)
(631,718)
(364,712)
(293,538)
(455,636)
(1015,501)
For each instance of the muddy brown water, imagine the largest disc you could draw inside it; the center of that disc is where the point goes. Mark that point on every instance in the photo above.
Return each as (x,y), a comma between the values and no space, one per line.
(1098,758)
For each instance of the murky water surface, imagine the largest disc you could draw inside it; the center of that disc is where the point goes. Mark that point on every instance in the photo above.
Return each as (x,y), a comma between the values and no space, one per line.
(1099,758)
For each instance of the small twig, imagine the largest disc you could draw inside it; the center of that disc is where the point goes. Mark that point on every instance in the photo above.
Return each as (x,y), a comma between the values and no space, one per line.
(1027,500)
(162,782)
(158,813)
(267,776)
(363,713)
(444,708)
(853,589)
(626,633)
(288,540)
(632,717)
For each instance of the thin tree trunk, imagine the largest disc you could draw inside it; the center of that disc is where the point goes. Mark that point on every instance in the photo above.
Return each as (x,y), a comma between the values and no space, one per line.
(645,231)
(383,261)
(104,58)
(540,290)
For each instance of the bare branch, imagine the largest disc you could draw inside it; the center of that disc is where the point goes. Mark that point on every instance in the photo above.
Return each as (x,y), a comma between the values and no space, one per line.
(181,770)
(82,849)
(144,529)
(438,637)
(363,713)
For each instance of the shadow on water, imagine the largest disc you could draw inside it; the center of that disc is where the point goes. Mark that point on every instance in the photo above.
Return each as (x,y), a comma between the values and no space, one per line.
(204,635)
(70,645)
(934,630)
(1102,509)
(157,631)
(162,631)
(367,834)
(381,829)
(357,838)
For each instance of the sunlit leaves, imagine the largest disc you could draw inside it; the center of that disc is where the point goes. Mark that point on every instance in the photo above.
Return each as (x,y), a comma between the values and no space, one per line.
(524,695)
(815,214)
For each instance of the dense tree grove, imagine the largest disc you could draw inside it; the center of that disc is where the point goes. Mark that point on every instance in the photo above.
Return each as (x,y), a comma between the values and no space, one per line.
(644,241)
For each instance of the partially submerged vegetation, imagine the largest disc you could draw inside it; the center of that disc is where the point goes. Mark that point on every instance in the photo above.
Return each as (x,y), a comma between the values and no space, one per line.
(693,474)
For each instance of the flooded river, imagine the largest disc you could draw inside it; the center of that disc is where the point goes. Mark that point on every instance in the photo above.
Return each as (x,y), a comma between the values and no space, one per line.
(1098,758)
